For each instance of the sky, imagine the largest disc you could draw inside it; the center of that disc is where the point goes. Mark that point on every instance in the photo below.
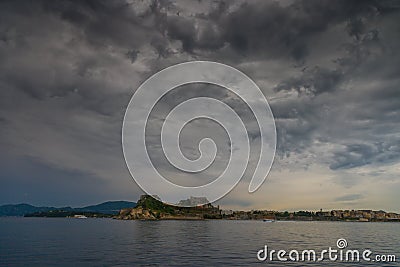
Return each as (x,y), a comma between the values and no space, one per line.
(329,70)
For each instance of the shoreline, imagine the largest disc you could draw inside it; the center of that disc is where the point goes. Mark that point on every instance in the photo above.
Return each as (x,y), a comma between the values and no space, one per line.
(201,219)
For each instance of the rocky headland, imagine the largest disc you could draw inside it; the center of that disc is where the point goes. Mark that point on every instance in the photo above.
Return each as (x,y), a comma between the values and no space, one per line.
(150,208)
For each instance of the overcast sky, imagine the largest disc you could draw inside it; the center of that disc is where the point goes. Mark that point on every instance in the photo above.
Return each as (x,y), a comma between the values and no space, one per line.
(329,69)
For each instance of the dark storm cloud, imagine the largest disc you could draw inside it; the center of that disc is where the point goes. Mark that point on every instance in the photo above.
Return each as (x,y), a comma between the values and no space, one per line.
(108,22)
(366,110)
(266,28)
(328,68)
(64,85)
(70,49)
(315,81)
(355,155)
(182,29)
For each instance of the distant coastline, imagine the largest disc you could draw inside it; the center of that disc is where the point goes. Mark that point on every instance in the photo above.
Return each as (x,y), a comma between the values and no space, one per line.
(105,209)
(150,208)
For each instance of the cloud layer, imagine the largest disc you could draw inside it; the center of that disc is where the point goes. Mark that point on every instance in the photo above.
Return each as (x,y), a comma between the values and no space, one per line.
(328,68)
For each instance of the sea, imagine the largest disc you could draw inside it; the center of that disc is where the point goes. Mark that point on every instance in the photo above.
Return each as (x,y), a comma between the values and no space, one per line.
(109,242)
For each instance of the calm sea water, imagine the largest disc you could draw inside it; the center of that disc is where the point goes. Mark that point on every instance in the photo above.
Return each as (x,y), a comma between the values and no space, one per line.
(107,242)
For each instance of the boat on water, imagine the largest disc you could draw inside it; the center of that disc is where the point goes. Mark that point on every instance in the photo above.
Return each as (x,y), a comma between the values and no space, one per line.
(268,220)
(80,217)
